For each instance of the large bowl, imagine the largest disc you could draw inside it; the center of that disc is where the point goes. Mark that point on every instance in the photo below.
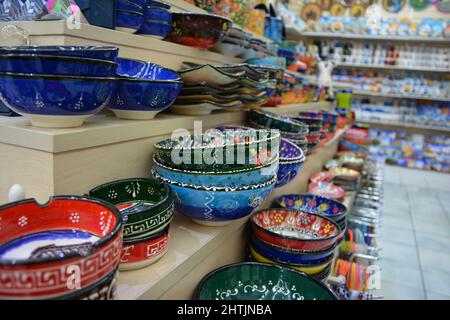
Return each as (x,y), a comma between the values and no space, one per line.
(313,204)
(294,229)
(48,243)
(129,21)
(292,159)
(327,189)
(275,121)
(92,52)
(158,20)
(198,30)
(143,90)
(146,205)
(216,206)
(258,281)
(55,101)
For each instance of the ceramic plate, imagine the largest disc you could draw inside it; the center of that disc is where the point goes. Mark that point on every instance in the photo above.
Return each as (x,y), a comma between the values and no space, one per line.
(208,74)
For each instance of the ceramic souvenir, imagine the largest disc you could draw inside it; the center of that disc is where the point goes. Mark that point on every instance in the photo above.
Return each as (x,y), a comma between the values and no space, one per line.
(157,20)
(155,29)
(209,75)
(129,21)
(131,5)
(311,12)
(200,108)
(393,6)
(420,4)
(292,159)
(327,189)
(275,121)
(345,174)
(228,48)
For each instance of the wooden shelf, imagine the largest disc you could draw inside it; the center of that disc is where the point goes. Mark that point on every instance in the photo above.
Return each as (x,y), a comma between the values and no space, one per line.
(397,68)
(312,79)
(408,127)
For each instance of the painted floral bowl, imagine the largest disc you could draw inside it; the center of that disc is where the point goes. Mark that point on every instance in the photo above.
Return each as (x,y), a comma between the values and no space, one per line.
(274,121)
(91,52)
(292,160)
(234,178)
(140,253)
(327,190)
(198,30)
(310,203)
(146,205)
(72,99)
(260,281)
(217,206)
(129,21)
(58,65)
(48,243)
(143,90)
(216,150)
(294,229)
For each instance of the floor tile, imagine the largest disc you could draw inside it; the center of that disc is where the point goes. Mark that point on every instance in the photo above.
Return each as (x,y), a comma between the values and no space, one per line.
(425,210)
(431,224)
(401,222)
(398,291)
(437,280)
(404,274)
(432,242)
(397,235)
(437,296)
(395,208)
(437,260)
(400,253)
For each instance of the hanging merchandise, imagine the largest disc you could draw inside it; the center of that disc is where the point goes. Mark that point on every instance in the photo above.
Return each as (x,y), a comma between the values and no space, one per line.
(420,4)
(393,6)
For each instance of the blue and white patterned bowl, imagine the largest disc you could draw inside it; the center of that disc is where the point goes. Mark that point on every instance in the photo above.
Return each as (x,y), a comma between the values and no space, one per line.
(129,21)
(216,206)
(292,160)
(145,70)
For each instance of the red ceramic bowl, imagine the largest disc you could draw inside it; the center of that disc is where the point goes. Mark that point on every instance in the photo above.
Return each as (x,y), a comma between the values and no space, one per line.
(45,249)
(295,230)
(327,190)
(139,253)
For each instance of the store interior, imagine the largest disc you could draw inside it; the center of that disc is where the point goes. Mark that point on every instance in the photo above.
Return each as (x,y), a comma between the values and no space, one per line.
(225,150)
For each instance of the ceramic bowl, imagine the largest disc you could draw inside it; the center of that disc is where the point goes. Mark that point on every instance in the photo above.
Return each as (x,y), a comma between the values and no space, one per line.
(140,253)
(58,65)
(158,4)
(344,174)
(131,5)
(209,75)
(155,29)
(72,100)
(140,3)
(215,150)
(91,52)
(327,190)
(157,14)
(228,48)
(40,241)
(198,30)
(294,229)
(129,21)
(145,70)
(216,206)
(146,205)
(329,208)
(275,121)
(235,178)
(258,281)
(291,162)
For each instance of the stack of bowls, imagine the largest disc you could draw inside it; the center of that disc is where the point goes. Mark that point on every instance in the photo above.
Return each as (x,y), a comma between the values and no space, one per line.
(157,20)
(315,130)
(129,15)
(233,43)
(291,238)
(38,244)
(218,177)
(82,79)
(143,89)
(292,159)
(146,206)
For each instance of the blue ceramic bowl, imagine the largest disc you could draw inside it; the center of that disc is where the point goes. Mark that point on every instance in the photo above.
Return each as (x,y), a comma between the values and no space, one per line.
(313,204)
(42,97)
(158,14)
(129,21)
(236,178)
(217,206)
(92,52)
(145,70)
(155,29)
(290,257)
(291,161)
(130,6)
(58,65)
(158,4)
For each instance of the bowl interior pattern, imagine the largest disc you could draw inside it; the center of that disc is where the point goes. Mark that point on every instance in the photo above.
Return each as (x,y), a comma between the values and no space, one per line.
(145,70)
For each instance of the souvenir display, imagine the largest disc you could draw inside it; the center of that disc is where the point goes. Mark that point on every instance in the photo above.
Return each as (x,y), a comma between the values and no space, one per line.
(393,5)
(291,161)
(157,20)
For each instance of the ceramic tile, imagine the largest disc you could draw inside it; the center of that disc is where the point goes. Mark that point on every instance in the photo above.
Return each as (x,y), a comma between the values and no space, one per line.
(398,291)
(430,211)
(421,195)
(437,280)
(436,260)
(402,273)
(437,296)
(395,208)
(398,236)
(432,242)
(399,253)
(401,222)
(436,225)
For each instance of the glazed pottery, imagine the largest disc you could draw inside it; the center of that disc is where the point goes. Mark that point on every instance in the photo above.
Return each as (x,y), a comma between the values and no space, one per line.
(201,108)
(146,205)
(228,48)
(157,14)
(215,150)
(294,229)
(158,4)
(139,253)
(158,20)
(209,75)
(275,121)
(131,5)
(291,162)
(155,29)
(327,190)
(129,21)
(198,30)
(58,65)
(313,204)
(234,178)
(40,242)
(92,52)
(258,281)
(143,90)
(217,206)
(344,174)
(71,100)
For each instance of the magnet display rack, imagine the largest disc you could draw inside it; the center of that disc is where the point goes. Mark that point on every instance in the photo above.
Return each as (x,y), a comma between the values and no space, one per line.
(73,160)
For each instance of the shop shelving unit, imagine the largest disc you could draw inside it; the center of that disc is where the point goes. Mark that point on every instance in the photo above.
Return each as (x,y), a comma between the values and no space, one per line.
(391,95)
(407,127)
(389,68)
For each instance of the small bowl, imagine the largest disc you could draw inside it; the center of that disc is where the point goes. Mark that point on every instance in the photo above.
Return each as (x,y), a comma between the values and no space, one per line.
(228,48)
(310,203)
(140,253)
(293,229)
(129,21)
(155,29)
(131,5)
(198,30)
(145,70)
(291,162)
(41,240)
(158,4)
(260,281)
(327,190)
(146,205)
(215,206)
(73,100)
(275,121)
(58,65)
(158,14)
(91,52)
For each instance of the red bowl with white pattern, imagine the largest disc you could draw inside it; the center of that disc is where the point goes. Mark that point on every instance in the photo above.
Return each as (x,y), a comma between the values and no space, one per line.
(59,248)
(140,253)
(294,230)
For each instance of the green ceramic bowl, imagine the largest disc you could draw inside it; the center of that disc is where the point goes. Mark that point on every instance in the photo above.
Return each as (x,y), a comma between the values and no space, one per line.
(275,121)
(260,281)
(220,151)
(146,205)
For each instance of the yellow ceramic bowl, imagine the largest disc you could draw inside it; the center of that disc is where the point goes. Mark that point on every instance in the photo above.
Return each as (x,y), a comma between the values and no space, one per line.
(308,270)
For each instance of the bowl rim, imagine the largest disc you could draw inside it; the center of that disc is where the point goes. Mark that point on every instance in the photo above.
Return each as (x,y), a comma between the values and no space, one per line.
(153,236)
(274,234)
(130,3)
(130,12)
(59,48)
(300,158)
(273,115)
(50,57)
(309,194)
(200,14)
(262,185)
(55,77)
(163,22)
(159,1)
(150,63)
(131,79)
(202,282)
(95,246)
(236,76)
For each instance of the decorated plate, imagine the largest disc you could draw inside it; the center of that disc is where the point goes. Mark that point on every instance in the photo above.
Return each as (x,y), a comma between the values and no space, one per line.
(420,4)
(337,10)
(357,11)
(311,12)
(443,6)
(325,4)
(347,3)
(393,6)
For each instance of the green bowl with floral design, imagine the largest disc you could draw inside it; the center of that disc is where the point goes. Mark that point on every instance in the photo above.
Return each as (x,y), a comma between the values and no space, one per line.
(272,120)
